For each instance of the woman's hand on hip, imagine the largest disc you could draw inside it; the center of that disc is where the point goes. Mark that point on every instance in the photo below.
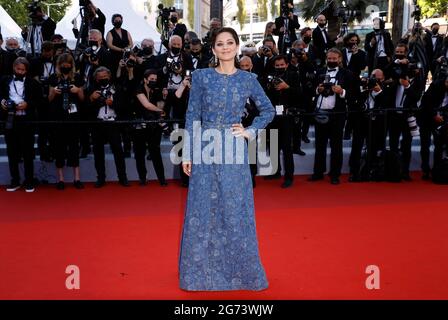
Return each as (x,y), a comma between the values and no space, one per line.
(186,166)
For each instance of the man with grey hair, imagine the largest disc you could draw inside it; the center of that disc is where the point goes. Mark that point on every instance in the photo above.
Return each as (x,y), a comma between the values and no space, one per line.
(146,58)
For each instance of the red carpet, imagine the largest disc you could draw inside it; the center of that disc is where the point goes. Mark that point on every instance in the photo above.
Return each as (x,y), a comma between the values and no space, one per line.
(316,241)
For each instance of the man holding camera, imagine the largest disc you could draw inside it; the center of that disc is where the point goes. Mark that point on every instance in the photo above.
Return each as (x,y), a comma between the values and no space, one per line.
(263,61)
(42,29)
(379,46)
(406,89)
(105,106)
(285,27)
(368,121)
(335,92)
(19,96)
(93,19)
(283,89)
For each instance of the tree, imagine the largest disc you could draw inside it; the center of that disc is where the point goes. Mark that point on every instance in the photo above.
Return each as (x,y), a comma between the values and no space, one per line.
(432,7)
(168,3)
(18,9)
(262,7)
(191,13)
(241,16)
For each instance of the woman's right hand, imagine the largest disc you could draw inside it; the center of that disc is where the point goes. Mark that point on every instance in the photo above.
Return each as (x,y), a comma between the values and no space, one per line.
(57,90)
(186,166)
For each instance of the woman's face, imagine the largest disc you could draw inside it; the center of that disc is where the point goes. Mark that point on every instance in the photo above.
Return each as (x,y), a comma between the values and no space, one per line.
(272,28)
(225,47)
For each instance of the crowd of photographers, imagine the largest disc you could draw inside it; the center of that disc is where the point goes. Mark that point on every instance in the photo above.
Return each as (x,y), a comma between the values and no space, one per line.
(344,91)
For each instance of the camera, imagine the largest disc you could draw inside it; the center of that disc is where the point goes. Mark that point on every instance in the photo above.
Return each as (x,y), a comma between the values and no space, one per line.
(368,83)
(325,81)
(173,66)
(90,52)
(265,50)
(33,8)
(417,14)
(126,58)
(413,127)
(64,86)
(285,7)
(11,109)
(165,13)
(273,81)
(84,3)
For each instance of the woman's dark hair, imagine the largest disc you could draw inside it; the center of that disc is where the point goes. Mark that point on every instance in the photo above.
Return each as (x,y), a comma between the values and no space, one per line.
(117,15)
(351,35)
(234,36)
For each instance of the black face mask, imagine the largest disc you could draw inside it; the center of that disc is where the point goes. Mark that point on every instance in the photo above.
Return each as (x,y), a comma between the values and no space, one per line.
(147,51)
(332,65)
(173,19)
(93,43)
(196,54)
(19,77)
(175,51)
(280,71)
(322,25)
(118,24)
(66,70)
(435,31)
(400,56)
(152,84)
(307,40)
(103,82)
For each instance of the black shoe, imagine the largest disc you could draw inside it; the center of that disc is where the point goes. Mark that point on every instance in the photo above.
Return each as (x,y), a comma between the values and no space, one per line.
(100,183)
(124,182)
(406,177)
(306,139)
(426,176)
(78,184)
(60,185)
(354,178)
(316,177)
(273,176)
(163,183)
(142,182)
(299,152)
(148,157)
(335,181)
(287,184)
(29,187)
(13,187)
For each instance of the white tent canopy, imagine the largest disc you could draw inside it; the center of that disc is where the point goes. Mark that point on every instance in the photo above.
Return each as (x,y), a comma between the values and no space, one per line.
(133,20)
(9,27)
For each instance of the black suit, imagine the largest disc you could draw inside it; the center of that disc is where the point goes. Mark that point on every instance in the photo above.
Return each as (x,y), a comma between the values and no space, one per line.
(432,50)
(20,139)
(48,28)
(373,61)
(97,23)
(333,130)
(293,24)
(357,62)
(321,45)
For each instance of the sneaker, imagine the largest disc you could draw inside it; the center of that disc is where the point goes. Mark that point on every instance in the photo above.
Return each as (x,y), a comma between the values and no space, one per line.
(78,184)
(29,187)
(13,187)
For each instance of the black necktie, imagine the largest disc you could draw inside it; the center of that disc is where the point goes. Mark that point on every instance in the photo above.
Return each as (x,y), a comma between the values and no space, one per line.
(331,70)
(20,80)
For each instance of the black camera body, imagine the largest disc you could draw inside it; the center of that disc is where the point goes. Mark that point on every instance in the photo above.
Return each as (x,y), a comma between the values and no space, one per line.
(11,109)
(64,86)
(368,83)
(165,13)
(126,58)
(33,8)
(265,50)
(325,81)
(273,81)
(90,53)
(173,66)
(106,93)
(84,3)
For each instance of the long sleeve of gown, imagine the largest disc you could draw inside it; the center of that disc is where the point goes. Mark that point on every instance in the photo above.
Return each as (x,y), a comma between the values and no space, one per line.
(264,106)
(193,115)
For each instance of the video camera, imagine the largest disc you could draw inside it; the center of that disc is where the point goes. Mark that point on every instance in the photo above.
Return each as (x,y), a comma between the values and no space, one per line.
(417,13)
(325,81)
(11,109)
(345,13)
(165,13)
(33,8)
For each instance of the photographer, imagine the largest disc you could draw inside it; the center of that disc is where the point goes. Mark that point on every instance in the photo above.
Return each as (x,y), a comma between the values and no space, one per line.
(379,46)
(118,41)
(285,27)
(12,52)
(149,106)
(406,89)
(65,96)
(41,69)
(306,35)
(321,39)
(433,45)
(176,28)
(307,77)
(335,92)
(433,120)
(354,58)
(263,61)
(176,63)
(441,61)
(42,29)
(19,96)
(371,100)
(284,90)
(199,58)
(94,19)
(105,107)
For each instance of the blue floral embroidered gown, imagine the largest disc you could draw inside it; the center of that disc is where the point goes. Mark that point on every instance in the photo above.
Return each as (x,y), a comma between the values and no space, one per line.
(219,246)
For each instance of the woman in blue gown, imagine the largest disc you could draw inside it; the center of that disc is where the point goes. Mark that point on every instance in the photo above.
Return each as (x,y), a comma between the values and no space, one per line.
(219,247)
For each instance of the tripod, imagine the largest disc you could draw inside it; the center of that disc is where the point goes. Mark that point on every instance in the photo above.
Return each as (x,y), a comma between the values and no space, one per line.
(78,49)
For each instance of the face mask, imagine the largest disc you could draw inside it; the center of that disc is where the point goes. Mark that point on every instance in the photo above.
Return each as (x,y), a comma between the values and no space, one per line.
(66,70)
(195,54)
(435,31)
(332,65)
(307,40)
(400,56)
(322,24)
(103,82)
(147,51)
(19,77)
(175,51)
(173,19)
(280,70)
(93,43)
(118,24)
(152,84)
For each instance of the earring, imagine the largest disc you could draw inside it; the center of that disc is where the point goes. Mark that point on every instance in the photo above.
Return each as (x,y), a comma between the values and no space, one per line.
(215,61)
